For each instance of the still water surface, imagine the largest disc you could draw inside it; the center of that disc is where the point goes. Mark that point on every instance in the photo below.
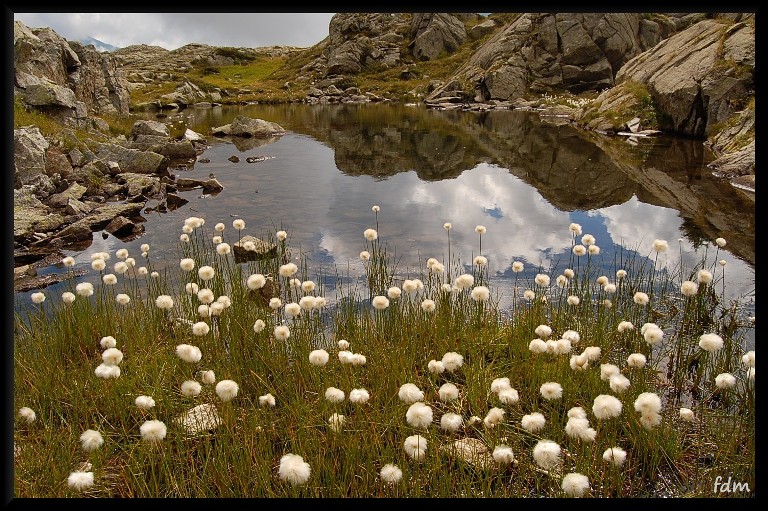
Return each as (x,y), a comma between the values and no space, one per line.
(524,179)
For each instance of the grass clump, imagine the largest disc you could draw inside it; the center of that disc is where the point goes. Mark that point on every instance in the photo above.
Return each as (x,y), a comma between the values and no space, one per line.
(414,384)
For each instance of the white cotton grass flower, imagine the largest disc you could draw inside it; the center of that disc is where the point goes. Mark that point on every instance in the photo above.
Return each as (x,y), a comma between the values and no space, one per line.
(722,262)
(751,374)
(447,226)
(394,292)
(38,297)
(227,390)
(410,393)
(436,366)
(308,286)
(448,392)
(593,250)
(292,309)
(428,306)
(80,480)
(687,414)
(592,353)
(533,422)
(391,473)
(365,255)
(154,275)
(748,360)
(551,343)
(543,331)
(636,360)
(452,361)
(493,417)
(572,335)
(579,362)
(529,295)
(451,422)
(710,342)
(336,422)
(267,400)
(68,261)
(206,273)
(573,300)
(217,239)
(190,388)
(575,229)
(419,415)
(318,357)
(208,377)
(334,395)
(359,396)
(345,356)
(481,294)
(281,235)
(537,346)
(480,229)
(239,224)
(343,344)
(204,311)
(184,238)
(121,267)
(689,288)
(499,384)
(275,303)
(219,227)
(307,303)
(546,454)
(142,271)
(145,402)
(380,302)
(107,371)
(200,329)
(100,255)
(542,279)
(575,484)
(725,381)
(647,403)
(720,242)
(653,335)
(189,353)
(606,406)
(358,359)
(704,276)
(112,356)
(517,266)
(288,270)
(293,469)
(164,302)
(464,281)
(109,279)
(282,332)
(620,274)
(609,288)
(218,307)
(588,239)
(503,454)
(416,447)
(640,298)
(153,430)
(608,370)
(255,281)
(615,456)
(28,414)
(258,326)
(577,412)
(607,303)
(480,261)
(107,342)
(650,420)
(98,264)
(370,234)
(660,246)
(551,390)
(223,249)
(122,299)
(67,297)
(561,281)
(90,440)
(618,383)
(579,250)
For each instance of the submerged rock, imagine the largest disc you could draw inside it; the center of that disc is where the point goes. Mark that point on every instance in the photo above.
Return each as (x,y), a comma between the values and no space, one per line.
(260,250)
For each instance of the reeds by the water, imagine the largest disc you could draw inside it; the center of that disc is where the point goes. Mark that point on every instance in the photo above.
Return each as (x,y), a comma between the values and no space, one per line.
(511,405)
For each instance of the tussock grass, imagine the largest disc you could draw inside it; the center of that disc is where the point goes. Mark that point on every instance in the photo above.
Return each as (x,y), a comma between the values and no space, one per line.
(57,349)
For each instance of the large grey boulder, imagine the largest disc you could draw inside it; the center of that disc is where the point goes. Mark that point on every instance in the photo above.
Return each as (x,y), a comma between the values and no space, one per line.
(133,160)
(243,126)
(29,148)
(30,215)
(435,34)
(147,127)
(697,76)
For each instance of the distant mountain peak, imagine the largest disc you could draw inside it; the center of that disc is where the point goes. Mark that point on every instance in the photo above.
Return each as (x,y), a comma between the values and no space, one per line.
(100,45)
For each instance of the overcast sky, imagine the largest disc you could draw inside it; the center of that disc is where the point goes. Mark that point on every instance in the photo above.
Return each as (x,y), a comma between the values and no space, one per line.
(172,30)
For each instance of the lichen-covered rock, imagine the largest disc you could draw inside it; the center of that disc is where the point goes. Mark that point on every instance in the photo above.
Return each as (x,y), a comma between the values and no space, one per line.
(29,148)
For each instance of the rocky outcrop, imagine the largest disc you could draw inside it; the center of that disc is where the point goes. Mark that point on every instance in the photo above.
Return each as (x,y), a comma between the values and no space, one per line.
(435,33)
(541,52)
(66,79)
